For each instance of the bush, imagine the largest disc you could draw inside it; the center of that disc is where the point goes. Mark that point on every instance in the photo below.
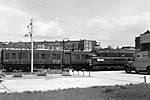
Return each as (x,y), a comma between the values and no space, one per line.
(42,74)
(18,75)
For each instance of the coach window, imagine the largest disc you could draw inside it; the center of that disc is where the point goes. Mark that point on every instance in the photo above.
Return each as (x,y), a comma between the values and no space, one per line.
(19,55)
(53,56)
(36,56)
(58,56)
(7,55)
(24,55)
(43,56)
(83,56)
(76,56)
(48,56)
(13,56)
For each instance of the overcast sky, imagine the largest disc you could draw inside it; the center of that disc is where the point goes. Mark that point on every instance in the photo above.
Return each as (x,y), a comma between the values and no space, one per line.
(112,22)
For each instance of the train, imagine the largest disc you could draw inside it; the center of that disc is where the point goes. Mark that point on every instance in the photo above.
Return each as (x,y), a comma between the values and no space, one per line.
(20,59)
(12,59)
(114,59)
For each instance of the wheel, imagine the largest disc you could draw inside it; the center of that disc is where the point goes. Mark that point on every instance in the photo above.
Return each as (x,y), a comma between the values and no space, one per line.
(148,70)
(128,69)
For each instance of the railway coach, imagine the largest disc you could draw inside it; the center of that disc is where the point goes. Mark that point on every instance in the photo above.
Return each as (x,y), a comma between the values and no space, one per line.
(44,59)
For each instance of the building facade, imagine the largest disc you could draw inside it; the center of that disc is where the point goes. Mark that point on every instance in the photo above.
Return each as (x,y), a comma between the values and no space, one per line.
(77,45)
(141,42)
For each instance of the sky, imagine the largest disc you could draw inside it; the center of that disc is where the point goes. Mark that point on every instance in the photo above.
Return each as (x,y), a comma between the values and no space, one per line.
(110,22)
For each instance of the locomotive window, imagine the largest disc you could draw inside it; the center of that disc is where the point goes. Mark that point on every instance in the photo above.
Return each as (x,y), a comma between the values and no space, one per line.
(43,56)
(129,54)
(13,55)
(7,55)
(109,54)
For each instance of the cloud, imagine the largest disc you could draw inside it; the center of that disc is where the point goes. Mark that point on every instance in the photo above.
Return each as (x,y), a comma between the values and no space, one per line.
(14,24)
(120,25)
(13,21)
(119,30)
(12,13)
(119,21)
(113,22)
(51,28)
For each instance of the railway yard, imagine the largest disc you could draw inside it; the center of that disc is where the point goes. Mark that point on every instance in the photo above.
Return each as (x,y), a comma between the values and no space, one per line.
(74,50)
(32,82)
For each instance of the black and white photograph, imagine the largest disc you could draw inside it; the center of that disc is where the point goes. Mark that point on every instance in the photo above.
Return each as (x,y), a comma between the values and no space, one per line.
(74,50)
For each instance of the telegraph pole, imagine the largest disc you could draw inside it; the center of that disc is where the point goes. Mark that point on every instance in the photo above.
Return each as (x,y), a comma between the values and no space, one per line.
(31,35)
(30,28)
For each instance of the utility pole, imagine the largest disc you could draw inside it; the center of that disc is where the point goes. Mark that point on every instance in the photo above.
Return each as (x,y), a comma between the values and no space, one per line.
(30,28)
(62,60)
(31,35)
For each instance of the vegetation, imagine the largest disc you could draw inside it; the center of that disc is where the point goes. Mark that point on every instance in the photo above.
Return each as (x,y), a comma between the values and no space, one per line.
(18,74)
(42,73)
(128,92)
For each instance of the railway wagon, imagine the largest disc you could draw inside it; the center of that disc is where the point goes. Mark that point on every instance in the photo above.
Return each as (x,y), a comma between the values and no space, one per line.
(111,59)
(43,59)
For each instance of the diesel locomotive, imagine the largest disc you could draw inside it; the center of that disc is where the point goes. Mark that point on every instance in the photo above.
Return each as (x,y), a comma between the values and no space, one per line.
(111,59)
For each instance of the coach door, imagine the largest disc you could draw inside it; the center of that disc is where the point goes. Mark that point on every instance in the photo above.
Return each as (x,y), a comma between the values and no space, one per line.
(67,58)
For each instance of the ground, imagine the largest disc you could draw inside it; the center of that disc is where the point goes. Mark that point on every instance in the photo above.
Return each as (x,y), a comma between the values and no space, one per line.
(80,80)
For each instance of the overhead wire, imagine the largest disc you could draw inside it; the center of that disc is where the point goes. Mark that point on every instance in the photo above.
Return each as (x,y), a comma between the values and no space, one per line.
(75,24)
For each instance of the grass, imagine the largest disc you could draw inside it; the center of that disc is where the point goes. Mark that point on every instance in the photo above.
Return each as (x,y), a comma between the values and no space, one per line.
(118,92)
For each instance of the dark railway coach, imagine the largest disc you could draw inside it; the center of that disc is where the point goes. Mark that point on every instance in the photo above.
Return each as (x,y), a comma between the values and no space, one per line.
(43,59)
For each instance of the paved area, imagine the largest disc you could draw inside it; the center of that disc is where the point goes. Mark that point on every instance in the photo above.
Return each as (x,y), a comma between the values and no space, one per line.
(57,81)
